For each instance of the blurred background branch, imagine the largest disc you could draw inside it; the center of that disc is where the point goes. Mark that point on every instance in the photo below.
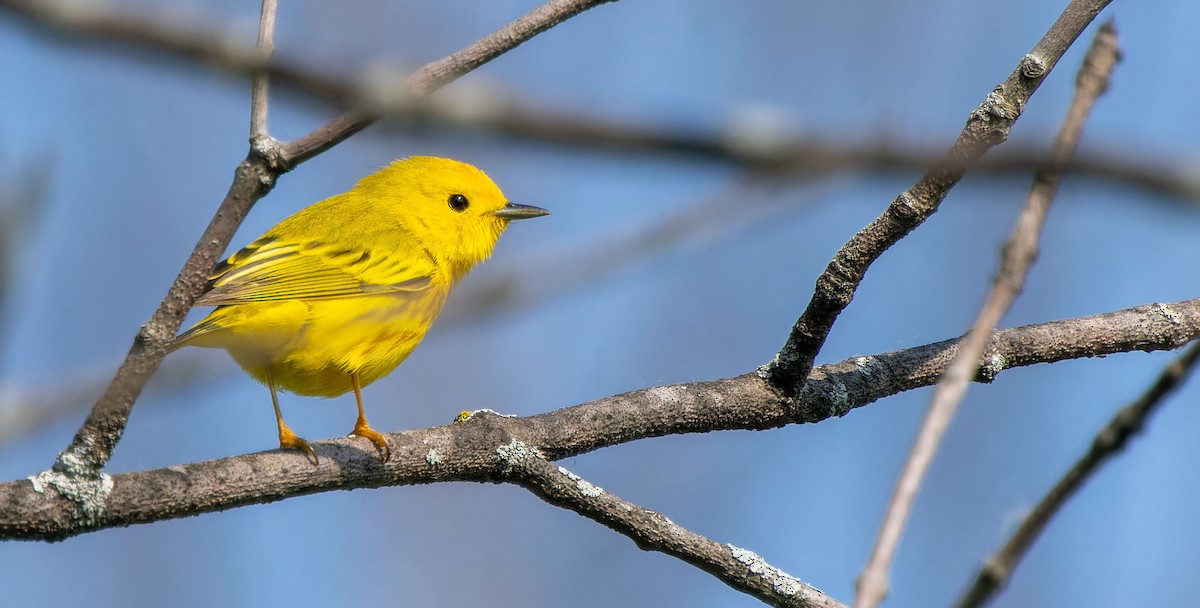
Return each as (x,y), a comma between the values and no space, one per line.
(1016,260)
(27,407)
(758,139)
(23,191)
(997,571)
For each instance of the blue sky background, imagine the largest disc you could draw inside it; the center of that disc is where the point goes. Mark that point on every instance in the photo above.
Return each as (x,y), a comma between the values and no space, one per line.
(141,149)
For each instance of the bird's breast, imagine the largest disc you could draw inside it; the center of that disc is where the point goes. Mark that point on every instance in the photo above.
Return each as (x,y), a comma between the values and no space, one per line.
(367,335)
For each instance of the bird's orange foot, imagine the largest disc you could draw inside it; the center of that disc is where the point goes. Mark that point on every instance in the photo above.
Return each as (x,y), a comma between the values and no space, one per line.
(363,430)
(288,439)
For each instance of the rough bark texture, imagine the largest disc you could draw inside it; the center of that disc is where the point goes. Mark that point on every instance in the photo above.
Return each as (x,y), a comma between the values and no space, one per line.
(53,506)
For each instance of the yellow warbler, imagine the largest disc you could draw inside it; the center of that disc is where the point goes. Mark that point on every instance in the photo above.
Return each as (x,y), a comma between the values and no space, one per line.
(336,296)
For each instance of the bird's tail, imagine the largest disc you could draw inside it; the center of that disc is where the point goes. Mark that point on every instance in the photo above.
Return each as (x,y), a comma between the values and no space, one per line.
(190,337)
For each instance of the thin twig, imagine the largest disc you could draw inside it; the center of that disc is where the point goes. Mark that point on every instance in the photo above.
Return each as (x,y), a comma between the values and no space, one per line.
(438,74)
(988,126)
(1127,423)
(739,568)
(84,459)
(1019,255)
(260,89)
(48,507)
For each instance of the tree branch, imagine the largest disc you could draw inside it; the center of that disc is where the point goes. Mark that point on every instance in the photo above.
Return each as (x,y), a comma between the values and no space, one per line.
(651,531)
(987,127)
(1019,254)
(59,507)
(1127,423)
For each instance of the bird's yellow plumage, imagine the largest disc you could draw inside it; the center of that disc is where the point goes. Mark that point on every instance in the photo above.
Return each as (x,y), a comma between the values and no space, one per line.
(337,295)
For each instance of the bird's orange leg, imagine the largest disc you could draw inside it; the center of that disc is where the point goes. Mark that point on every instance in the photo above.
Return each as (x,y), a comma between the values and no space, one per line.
(288,439)
(362,428)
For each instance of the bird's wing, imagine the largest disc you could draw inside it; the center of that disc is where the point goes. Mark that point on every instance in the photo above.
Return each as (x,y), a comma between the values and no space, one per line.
(276,269)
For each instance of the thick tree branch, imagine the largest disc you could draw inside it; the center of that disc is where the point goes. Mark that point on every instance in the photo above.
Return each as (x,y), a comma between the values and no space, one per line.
(987,127)
(1127,423)
(57,507)
(651,531)
(1019,254)
(83,460)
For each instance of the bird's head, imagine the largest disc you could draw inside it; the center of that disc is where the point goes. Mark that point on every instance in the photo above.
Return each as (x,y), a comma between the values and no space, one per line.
(454,209)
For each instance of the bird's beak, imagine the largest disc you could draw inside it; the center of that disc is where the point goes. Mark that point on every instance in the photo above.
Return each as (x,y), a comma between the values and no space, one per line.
(513,211)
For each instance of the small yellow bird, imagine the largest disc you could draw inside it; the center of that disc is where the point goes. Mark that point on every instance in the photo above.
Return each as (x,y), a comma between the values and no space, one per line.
(336,296)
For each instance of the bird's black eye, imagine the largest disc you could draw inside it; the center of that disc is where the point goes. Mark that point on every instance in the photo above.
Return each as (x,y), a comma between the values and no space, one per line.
(458,202)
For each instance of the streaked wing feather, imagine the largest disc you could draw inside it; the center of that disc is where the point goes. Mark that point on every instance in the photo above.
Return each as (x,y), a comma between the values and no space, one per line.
(271,269)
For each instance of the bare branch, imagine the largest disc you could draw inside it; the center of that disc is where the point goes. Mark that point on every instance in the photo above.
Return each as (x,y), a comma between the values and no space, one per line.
(996,571)
(651,531)
(438,74)
(83,460)
(1019,255)
(57,507)
(259,95)
(987,127)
